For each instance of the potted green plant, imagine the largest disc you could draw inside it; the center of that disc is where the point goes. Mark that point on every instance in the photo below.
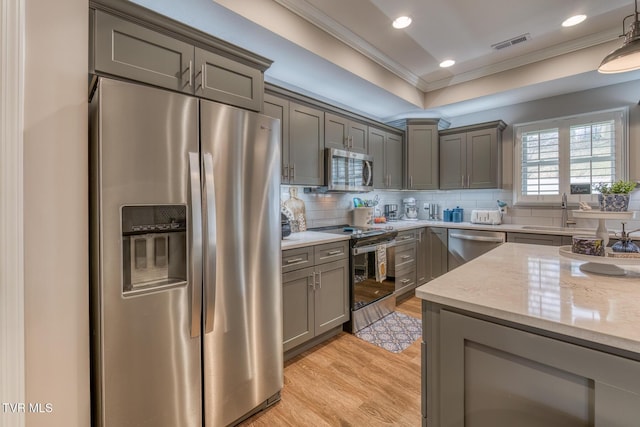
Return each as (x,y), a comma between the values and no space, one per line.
(614,197)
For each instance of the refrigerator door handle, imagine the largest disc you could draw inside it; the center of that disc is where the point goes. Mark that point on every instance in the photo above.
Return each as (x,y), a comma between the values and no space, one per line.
(210,246)
(196,244)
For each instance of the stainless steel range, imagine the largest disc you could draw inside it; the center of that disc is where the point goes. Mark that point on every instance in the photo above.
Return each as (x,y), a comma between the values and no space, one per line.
(370,298)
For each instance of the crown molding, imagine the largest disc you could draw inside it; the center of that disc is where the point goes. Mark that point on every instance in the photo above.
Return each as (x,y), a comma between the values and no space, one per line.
(537,56)
(357,43)
(343,34)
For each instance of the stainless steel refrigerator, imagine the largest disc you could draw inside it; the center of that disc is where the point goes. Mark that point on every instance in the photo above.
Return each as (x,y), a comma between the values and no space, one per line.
(185,264)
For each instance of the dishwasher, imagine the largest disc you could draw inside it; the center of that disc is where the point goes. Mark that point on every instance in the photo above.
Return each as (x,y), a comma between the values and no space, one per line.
(465,245)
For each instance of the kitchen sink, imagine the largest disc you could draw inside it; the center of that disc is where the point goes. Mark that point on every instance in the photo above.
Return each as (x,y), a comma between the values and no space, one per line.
(556,228)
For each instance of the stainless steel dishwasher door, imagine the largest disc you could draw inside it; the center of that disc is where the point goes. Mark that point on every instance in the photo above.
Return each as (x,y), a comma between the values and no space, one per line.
(465,245)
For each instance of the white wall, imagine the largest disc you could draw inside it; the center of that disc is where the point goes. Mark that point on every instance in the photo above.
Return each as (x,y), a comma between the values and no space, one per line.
(55,206)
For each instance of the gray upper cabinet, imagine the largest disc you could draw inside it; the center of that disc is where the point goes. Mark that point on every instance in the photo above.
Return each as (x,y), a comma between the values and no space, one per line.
(278,108)
(228,81)
(126,49)
(345,134)
(471,156)
(422,155)
(386,149)
(306,145)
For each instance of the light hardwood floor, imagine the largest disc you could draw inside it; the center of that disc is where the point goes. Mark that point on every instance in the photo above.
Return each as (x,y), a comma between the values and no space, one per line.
(346,381)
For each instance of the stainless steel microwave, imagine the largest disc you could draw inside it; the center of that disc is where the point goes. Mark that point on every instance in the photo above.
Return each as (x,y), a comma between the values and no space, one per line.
(347,171)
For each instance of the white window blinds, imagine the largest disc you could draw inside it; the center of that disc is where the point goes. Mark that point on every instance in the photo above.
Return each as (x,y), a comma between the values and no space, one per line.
(553,154)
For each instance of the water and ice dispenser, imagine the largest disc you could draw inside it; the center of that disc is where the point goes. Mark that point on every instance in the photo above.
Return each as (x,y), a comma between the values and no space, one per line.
(154,247)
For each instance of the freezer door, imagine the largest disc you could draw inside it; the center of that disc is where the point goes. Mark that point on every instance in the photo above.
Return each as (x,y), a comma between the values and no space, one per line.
(146,347)
(242,355)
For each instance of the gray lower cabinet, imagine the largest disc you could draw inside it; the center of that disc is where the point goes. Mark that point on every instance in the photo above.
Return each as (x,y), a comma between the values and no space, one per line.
(538,239)
(471,156)
(437,252)
(306,145)
(402,262)
(126,49)
(422,155)
(345,134)
(386,149)
(422,257)
(480,373)
(315,298)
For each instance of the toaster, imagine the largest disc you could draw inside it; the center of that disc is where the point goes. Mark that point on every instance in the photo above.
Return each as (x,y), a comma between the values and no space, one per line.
(486,216)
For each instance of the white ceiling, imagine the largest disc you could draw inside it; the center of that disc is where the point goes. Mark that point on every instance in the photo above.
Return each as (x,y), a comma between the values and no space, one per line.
(463,30)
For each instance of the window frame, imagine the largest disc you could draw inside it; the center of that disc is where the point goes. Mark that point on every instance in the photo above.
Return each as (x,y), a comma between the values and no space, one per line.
(563,124)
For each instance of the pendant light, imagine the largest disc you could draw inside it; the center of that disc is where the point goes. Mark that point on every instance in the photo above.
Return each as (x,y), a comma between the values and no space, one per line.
(627,57)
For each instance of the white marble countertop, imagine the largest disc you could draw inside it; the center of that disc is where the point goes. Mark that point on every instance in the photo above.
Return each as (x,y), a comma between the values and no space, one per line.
(534,286)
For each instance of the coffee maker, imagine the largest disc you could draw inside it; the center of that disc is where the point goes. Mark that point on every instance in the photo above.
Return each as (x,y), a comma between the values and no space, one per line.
(410,209)
(391,212)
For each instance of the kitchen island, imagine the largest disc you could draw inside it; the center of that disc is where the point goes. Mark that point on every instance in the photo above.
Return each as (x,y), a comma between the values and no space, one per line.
(521,336)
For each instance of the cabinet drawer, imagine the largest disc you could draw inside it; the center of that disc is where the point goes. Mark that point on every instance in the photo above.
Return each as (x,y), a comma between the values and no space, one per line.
(331,252)
(405,256)
(405,280)
(125,49)
(406,237)
(295,259)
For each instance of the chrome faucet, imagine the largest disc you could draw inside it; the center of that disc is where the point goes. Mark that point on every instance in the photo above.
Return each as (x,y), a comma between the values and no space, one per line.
(565,215)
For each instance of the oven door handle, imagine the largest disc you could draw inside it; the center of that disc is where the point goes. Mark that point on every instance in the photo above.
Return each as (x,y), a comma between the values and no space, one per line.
(371,248)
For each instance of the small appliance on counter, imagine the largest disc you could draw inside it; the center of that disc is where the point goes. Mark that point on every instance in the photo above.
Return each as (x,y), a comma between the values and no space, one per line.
(433,211)
(391,212)
(410,209)
(285,225)
(486,216)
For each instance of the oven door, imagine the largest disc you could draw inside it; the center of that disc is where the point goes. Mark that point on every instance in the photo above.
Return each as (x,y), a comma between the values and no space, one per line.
(347,171)
(365,288)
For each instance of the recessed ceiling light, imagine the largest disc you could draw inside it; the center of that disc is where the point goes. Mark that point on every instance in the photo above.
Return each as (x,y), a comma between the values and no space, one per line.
(447,63)
(401,22)
(574,20)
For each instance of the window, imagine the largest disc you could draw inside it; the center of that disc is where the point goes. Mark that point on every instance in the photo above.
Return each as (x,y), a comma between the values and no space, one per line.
(553,154)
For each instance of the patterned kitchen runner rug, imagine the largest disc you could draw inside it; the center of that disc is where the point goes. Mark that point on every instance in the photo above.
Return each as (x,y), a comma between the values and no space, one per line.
(394,332)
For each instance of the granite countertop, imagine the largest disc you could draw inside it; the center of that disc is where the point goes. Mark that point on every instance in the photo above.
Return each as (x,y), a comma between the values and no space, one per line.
(534,286)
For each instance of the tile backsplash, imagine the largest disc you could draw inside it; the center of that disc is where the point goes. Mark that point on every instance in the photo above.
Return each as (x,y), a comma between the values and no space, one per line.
(335,208)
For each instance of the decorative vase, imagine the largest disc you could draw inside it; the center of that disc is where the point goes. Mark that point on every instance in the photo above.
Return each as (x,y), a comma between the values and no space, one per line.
(613,202)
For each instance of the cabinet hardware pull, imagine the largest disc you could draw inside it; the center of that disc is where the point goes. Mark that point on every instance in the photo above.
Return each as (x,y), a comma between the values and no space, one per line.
(292,173)
(405,281)
(411,181)
(468,181)
(405,256)
(462,184)
(334,252)
(319,280)
(291,261)
(190,74)
(313,280)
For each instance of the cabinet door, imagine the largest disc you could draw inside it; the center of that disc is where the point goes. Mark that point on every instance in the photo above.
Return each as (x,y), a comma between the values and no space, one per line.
(453,172)
(331,295)
(278,108)
(438,253)
(225,80)
(358,137)
(377,150)
(125,49)
(422,157)
(297,307)
(494,375)
(482,154)
(336,131)
(393,156)
(306,145)
(422,254)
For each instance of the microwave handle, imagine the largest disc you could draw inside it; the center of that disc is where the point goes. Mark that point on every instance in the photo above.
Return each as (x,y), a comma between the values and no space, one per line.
(368,174)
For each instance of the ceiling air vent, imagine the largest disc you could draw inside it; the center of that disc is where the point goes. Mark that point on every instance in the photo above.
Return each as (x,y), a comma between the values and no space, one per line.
(511,42)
